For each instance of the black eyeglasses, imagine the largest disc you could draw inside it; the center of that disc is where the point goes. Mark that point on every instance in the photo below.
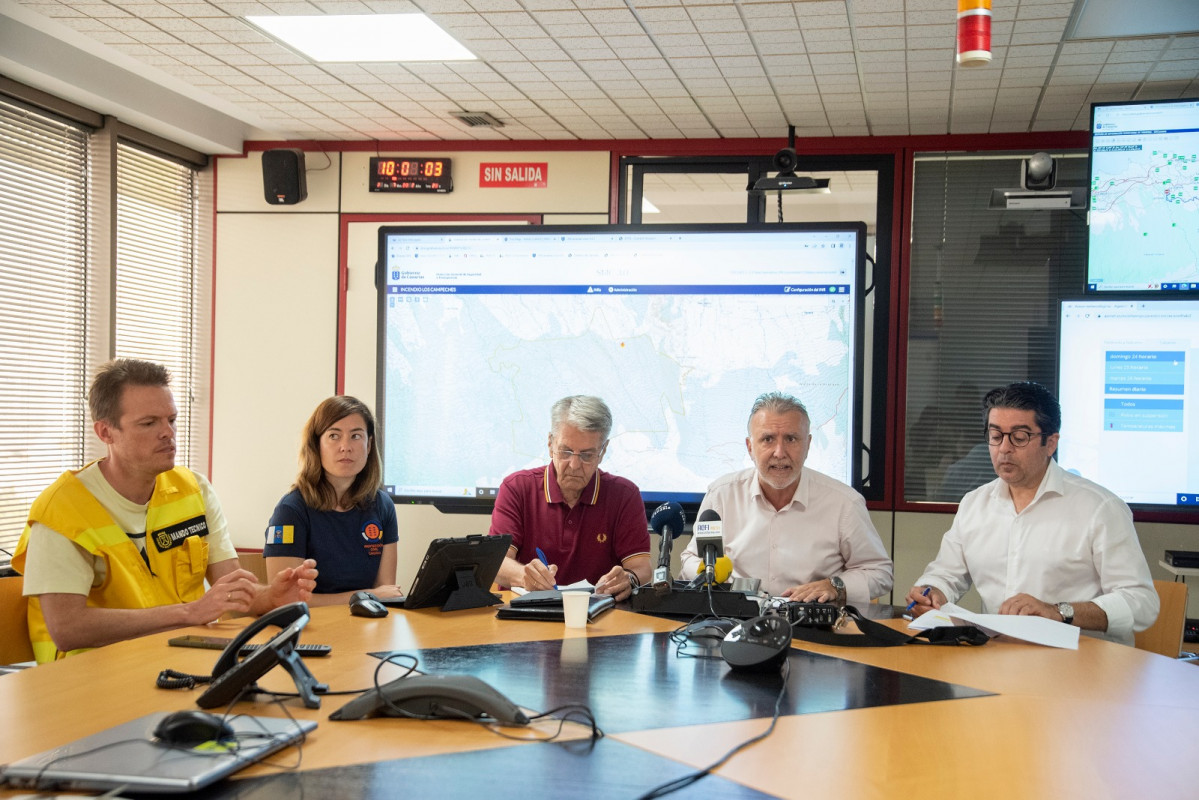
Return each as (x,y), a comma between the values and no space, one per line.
(1018,437)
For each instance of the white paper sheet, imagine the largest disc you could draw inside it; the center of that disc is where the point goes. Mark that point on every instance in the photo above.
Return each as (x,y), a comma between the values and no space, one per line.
(1037,630)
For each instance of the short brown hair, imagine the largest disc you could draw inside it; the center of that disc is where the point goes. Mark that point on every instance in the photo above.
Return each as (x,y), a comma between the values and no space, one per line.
(316,490)
(104,396)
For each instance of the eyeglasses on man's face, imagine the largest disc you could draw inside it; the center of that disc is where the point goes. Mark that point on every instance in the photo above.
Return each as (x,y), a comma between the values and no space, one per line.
(1019,437)
(586,456)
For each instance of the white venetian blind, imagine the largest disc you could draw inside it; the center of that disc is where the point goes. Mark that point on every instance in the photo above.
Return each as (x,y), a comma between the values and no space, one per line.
(156,278)
(43,308)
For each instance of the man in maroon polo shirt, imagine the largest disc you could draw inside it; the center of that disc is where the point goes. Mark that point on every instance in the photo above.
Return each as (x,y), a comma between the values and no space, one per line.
(589,524)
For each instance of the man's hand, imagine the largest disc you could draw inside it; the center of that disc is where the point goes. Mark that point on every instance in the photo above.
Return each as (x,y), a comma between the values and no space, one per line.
(814,592)
(387,591)
(538,576)
(616,583)
(233,592)
(290,585)
(921,602)
(1025,605)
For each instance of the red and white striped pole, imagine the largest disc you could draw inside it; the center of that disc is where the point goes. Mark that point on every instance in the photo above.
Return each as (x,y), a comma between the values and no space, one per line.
(974,33)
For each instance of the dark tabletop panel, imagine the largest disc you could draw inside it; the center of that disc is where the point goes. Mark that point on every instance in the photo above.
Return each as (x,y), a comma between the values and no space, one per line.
(569,771)
(640,681)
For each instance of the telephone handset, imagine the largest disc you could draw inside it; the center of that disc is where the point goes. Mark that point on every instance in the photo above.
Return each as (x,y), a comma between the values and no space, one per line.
(280,617)
(232,677)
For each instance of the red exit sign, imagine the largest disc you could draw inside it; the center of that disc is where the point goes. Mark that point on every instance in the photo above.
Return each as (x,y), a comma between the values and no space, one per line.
(514,176)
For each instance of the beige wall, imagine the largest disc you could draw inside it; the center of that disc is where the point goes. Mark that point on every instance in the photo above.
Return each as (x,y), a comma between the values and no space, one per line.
(275,334)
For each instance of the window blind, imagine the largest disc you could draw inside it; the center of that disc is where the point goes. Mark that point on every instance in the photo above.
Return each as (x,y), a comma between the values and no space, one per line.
(982,308)
(156,317)
(43,308)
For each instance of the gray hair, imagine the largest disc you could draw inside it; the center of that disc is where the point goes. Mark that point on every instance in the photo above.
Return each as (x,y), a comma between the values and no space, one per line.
(776,403)
(587,413)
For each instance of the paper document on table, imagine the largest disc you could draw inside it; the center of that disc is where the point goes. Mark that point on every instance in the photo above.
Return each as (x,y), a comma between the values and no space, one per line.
(1037,630)
(578,585)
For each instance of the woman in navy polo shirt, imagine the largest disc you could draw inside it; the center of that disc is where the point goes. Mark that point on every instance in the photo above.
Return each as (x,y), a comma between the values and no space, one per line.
(336,511)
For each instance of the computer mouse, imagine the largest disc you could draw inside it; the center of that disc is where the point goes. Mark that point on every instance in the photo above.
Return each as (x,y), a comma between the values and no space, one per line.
(709,630)
(189,728)
(757,644)
(365,604)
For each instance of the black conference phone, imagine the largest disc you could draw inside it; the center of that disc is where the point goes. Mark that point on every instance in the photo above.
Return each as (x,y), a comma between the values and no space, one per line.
(434,697)
(233,675)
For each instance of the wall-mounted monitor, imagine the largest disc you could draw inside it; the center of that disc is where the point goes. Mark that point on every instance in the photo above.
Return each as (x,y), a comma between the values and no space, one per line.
(1128,382)
(1144,218)
(677,328)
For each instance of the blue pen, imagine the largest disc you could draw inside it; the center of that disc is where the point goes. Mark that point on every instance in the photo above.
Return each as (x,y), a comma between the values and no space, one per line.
(912,604)
(544,560)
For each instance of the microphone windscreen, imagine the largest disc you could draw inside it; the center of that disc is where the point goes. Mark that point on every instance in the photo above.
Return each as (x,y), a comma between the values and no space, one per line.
(668,515)
(708,515)
(724,568)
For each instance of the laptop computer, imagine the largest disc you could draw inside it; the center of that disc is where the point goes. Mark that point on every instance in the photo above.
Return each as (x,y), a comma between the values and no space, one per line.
(127,757)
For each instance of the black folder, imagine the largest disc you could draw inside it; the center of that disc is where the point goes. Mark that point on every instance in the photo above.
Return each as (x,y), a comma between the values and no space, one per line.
(547,606)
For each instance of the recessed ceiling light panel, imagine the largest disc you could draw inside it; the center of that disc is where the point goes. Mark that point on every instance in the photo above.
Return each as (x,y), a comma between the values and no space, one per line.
(364,37)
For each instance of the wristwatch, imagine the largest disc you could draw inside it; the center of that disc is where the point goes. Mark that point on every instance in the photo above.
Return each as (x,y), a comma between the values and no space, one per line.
(839,585)
(1067,612)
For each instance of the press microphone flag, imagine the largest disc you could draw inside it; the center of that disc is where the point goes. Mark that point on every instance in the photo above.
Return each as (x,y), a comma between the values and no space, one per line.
(709,542)
(668,521)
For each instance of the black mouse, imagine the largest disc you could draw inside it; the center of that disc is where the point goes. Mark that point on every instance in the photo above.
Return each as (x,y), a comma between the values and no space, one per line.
(190,727)
(709,631)
(365,604)
(757,644)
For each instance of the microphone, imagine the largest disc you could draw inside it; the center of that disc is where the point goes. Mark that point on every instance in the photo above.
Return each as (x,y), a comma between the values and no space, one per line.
(722,569)
(709,542)
(668,521)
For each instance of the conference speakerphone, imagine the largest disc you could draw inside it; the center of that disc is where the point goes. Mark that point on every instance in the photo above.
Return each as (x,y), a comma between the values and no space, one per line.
(1186,559)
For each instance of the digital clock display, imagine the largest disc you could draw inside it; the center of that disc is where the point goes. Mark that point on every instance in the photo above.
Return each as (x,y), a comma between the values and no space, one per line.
(410,175)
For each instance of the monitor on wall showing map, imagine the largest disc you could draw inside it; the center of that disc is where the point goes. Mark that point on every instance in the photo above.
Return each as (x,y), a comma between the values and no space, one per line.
(1144,205)
(677,328)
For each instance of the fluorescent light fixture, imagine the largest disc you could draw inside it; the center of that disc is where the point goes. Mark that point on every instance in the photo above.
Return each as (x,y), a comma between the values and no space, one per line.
(364,37)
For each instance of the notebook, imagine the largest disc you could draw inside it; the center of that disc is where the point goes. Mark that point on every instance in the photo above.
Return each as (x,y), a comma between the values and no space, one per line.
(547,606)
(126,756)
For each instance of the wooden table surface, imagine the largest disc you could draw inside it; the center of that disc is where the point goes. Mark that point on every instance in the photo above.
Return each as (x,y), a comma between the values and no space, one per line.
(1102,721)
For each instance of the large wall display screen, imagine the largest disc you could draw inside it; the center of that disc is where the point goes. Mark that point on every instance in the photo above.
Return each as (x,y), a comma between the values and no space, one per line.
(1144,219)
(1129,389)
(677,328)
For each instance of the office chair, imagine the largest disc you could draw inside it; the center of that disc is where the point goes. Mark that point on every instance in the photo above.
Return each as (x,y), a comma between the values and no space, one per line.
(14,625)
(1164,636)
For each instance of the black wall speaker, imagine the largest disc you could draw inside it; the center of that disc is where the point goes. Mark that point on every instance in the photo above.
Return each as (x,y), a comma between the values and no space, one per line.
(283,179)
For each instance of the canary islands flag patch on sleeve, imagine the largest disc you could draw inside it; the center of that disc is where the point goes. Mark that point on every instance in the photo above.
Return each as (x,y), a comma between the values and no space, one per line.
(280,534)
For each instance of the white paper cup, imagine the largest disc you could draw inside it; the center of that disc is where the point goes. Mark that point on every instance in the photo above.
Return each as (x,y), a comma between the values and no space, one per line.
(574,608)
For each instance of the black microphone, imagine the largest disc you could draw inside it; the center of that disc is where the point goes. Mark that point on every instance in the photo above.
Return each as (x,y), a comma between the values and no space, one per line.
(709,542)
(668,521)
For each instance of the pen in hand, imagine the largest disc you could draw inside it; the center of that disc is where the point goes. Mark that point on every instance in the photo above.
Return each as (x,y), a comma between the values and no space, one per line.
(912,604)
(544,560)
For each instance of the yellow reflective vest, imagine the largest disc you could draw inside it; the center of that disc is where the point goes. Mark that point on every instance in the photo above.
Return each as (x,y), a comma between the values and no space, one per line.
(176,559)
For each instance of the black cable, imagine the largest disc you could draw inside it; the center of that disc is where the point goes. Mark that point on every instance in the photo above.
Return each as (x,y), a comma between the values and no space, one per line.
(684,781)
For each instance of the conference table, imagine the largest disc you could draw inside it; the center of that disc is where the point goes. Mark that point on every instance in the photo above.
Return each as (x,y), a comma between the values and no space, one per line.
(1005,720)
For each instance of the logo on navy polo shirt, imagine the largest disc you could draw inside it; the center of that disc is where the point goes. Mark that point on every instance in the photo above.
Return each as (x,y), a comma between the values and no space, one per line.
(372,532)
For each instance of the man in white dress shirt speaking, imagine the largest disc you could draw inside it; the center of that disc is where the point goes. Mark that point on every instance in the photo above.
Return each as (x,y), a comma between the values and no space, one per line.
(806,536)
(1039,540)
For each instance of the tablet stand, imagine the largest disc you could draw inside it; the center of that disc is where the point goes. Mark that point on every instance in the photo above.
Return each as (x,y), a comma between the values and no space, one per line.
(468,594)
